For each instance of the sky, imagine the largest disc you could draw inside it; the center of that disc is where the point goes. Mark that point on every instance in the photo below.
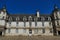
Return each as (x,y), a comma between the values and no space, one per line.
(29,6)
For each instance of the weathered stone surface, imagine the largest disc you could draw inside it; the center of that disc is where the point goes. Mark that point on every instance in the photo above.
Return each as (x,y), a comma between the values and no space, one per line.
(30,38)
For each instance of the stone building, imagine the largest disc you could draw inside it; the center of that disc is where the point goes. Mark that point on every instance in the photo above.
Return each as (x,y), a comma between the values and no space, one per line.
(30,24)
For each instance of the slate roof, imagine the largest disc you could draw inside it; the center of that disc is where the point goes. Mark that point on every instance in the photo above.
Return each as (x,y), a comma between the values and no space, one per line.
(14,16)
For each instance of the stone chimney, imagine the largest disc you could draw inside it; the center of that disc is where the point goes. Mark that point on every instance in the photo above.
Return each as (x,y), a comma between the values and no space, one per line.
(37,13)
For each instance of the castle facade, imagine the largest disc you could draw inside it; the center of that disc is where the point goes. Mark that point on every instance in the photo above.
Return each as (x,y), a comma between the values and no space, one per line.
(30,24)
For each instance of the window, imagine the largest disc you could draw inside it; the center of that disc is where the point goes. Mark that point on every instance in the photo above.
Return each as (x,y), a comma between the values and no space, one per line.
(49,23)
(35,19)
(43,23)
(36,23)
(16,23)
(42,18)
(24,30)
(43,30)
(49,18)
(36,31)
(30,18)
(24,19)
(51,31)
(10,18)
(9,30)
(30,31)
(9,23)
(16,30)
(17,19)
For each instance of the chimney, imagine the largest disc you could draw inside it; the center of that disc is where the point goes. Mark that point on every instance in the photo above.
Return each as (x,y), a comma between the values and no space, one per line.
(38,15)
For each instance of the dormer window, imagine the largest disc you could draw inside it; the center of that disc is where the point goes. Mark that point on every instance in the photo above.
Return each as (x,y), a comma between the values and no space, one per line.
(17,18)
(10,21)
(24,18)
(49,18)
(10,18)
(35,19)
(30,18)
(42,18)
